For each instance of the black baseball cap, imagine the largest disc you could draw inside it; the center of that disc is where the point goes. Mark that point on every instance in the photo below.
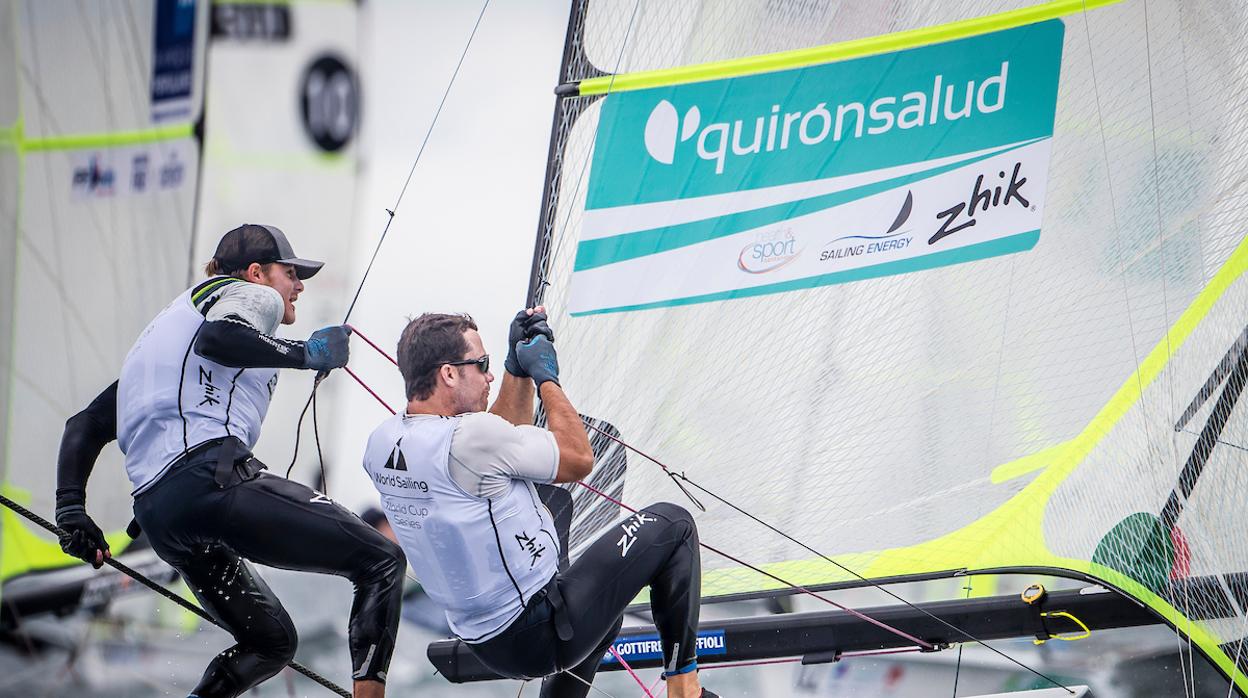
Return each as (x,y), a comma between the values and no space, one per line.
(261,244)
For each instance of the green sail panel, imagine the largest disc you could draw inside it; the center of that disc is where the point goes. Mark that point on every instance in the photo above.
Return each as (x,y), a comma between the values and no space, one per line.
(1041,407)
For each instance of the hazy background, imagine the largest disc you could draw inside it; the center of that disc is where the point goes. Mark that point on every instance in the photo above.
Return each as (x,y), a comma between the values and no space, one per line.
(462,239)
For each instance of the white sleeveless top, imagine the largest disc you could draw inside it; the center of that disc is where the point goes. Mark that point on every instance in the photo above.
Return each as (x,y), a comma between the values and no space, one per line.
(458,492)
(170,399)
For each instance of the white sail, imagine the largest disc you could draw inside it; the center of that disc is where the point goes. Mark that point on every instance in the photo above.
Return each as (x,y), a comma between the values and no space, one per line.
(101,104)
(1015,402)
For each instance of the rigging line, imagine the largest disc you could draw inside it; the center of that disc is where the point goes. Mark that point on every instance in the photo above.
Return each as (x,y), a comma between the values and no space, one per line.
(370,343)
(438,112)
(392,211)
(615,653)
(1113,203)
(798,587)
(1187,665)
(1239,648)
(847,570)
(957,671)
(370,390)
(1117,228)
(316,436)
(299,425)
(654,686)
(592,687)
(775,530)
(141,579)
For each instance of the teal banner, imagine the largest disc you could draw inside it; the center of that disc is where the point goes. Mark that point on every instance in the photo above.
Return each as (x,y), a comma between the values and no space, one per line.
(766,183)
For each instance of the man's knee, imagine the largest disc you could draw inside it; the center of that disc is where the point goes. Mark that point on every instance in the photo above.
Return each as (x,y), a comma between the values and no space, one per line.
(393,564)
(275,641)
(671,512)
(384,565)
(677,517)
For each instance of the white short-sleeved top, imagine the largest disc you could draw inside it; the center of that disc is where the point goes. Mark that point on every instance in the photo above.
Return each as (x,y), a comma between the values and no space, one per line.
(458,492)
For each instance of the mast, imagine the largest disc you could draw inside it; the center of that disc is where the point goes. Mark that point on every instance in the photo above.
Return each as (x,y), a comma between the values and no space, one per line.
(573,67)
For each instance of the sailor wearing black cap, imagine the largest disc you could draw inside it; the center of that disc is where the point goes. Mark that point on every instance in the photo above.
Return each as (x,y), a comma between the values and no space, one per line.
(186,411)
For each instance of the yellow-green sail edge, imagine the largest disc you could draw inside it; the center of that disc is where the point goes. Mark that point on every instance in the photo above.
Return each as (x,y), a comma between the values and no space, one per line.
(979,547)
(830,53)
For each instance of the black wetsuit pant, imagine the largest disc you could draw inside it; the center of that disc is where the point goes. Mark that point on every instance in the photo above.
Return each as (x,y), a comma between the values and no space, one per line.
(568,626)
(209,515)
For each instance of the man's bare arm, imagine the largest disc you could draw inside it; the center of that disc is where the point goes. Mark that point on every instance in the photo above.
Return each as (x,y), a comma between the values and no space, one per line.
(515,400)
(576,458)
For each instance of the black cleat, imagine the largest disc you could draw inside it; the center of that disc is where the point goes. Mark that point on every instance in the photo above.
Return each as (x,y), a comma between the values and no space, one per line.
(708,694)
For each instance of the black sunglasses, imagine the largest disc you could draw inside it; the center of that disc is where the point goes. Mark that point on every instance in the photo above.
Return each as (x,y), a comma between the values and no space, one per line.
(482,363)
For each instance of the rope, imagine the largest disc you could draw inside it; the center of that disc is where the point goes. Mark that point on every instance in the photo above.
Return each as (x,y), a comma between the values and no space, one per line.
(679,477)
(630,671)
(391,211)
(141,579)
(438,112)
(798,587)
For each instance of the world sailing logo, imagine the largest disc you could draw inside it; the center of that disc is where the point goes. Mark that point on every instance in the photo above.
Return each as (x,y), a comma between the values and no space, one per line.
(781,129)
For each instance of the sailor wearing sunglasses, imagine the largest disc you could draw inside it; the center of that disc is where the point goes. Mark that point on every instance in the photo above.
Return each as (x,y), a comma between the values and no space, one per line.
(458,486)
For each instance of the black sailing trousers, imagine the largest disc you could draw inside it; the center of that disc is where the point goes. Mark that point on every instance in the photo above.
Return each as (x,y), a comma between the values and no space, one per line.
(656,547)
(207,526)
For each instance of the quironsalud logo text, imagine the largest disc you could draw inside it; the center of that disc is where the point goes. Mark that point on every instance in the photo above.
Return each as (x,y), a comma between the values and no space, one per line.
(781,129)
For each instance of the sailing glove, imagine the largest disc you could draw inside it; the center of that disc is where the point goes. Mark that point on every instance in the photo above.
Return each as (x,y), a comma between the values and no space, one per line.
(327,348)
(523,328)
(538,359)
(82,538)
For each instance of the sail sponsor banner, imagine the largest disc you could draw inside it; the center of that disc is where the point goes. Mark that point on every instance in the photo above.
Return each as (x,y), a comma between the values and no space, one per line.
(828,174)
(102,173)
(173,59)
(640,647)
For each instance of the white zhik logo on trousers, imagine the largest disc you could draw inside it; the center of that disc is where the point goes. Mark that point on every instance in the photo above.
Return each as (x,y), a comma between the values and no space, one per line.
(630,527)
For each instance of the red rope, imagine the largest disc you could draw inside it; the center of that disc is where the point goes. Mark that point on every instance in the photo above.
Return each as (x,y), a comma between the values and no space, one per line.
(370,390)
(857,614)
(630,671)
(370,343)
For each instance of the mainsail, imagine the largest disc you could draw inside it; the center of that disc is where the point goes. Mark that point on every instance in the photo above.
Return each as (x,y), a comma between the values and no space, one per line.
(131,136)
(933,288)
(100,176)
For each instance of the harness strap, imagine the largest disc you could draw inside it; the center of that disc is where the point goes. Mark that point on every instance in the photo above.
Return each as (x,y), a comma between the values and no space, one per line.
(563,626)
(235,463)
